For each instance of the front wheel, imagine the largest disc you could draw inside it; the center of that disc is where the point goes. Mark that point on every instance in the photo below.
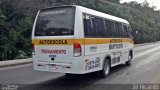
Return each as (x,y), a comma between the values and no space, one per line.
(129,62)
(106,69)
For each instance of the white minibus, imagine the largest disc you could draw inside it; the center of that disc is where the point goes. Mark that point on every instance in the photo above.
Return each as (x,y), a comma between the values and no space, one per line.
(77,40)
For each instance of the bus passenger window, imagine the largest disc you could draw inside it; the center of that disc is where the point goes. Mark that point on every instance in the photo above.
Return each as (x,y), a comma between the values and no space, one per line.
(108,28)
(98,27)
(101,28)
(112,28)
(125,31)
(95,26)
(120,30)
(87,26)
(117,29)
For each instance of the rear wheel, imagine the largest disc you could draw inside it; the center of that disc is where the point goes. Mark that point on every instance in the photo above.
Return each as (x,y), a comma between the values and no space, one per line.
(106,69)
(129,62)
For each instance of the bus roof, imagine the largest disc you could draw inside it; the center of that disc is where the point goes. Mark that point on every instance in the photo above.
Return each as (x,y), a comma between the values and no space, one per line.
(94,12)
(103,15)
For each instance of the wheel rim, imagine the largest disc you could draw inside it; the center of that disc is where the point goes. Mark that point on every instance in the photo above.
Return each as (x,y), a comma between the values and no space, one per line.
(106,68)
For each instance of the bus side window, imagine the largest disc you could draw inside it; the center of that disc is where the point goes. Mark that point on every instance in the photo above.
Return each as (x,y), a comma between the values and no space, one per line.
(108,28)
(98,27)
(88,31)
(120,30)
(95,26)
(101,28)
(126,34)
(117,32)
(112,28)
(130,32)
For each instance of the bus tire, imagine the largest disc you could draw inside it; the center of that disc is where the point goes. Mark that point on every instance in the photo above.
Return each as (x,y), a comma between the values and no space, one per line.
(106,69)
(129,62)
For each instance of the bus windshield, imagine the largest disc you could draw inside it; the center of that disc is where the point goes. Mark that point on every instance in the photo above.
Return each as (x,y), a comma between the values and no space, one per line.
(55,22)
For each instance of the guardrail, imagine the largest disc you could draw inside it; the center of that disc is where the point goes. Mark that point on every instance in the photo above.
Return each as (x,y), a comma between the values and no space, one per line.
(9,63)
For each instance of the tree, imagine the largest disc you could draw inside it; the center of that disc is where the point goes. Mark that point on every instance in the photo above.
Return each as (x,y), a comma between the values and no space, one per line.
(12,27)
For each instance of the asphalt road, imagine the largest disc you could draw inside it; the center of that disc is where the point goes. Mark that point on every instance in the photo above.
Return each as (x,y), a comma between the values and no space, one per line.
(145,69)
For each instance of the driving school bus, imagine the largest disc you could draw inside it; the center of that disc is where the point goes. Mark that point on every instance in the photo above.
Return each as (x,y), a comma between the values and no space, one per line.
(77,40)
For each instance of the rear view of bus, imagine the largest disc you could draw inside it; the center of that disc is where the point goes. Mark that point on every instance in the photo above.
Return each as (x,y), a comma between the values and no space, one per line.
(78,40)
(52,40)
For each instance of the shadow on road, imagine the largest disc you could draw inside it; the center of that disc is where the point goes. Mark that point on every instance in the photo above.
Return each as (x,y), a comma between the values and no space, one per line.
(76,82)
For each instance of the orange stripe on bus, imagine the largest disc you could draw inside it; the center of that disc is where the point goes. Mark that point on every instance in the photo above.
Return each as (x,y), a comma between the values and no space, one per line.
(85,41)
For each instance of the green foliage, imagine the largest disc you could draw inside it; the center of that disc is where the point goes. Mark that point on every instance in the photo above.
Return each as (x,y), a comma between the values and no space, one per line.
(17,16)
(21,54)
(15,32)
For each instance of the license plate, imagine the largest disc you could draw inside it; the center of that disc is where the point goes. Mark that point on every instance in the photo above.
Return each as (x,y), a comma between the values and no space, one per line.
(54,67)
